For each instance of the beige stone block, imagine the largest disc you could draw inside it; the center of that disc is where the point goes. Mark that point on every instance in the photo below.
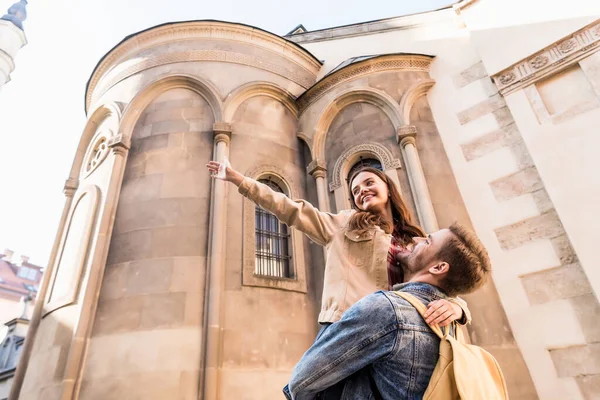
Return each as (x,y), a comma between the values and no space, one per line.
(152,143)
(173,104)
(162,310)
(171,160)
(503,117)
(495,165)
(577,360)
(63,334)
(553,324)
(587,310)
(174,114)
(113,282)
(148,276)
(130,246)
(175,140)
(162,212)
(142,189)
(178,242)
(51,392)
(564,250)
(589,386)
(250,348)
(204,124)
(188,274)
(242,384)
(136,164)
(204,139)
(545,226)
(514,210)
(292,347)
(236,321)
(188,385)
(477,128)
(119,315)
(143,386)
(485,107)
(186,184)
(166,127)
(474,72)
(542,201)
(490,142)
(194,309)
(516,374)
(532,257)
(522,155)
(563,282)
(141,130)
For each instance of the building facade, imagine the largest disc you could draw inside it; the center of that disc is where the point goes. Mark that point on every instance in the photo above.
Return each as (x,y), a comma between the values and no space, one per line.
(166,284)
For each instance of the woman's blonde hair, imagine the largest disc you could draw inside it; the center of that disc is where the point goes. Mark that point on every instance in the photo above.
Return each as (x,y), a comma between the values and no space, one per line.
(404,227)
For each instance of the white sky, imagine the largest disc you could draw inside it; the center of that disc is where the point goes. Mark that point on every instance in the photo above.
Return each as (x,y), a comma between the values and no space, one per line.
(42,109)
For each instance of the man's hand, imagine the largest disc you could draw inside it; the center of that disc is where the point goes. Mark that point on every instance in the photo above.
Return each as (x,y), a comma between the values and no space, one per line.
(442,312)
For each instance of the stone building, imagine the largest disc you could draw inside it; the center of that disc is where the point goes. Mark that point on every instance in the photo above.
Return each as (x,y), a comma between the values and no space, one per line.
(165,284)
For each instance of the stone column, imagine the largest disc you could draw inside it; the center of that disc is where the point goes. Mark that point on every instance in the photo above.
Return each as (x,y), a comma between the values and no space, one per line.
(69,189)
(317,170)
(216,271)
(416,177)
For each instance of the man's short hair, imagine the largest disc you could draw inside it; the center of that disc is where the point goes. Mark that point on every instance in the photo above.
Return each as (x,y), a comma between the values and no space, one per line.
(468,259)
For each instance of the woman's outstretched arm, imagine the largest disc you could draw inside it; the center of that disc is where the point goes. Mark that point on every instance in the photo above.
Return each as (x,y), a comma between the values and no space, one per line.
(300,214)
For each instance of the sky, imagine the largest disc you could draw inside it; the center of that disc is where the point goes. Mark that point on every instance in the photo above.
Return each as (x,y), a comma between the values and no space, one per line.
(42,107)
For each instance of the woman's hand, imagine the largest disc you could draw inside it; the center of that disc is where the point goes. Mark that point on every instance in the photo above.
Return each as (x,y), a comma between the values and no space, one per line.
(224,171)
(442,312)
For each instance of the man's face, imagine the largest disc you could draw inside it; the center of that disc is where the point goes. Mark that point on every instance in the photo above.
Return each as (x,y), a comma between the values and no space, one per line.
(424,252)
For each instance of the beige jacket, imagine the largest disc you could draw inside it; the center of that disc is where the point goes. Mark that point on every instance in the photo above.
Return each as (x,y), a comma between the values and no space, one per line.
(356,264)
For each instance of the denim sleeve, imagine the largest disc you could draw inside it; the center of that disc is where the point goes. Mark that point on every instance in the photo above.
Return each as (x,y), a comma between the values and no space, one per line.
(366,333)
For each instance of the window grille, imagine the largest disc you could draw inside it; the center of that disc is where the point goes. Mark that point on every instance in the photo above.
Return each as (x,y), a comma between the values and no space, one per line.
(272,247)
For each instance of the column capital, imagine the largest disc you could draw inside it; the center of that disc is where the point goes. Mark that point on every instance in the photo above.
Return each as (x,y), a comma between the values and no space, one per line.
(222,132)
(70,187)
(317,168)
(407,134)
(119,144)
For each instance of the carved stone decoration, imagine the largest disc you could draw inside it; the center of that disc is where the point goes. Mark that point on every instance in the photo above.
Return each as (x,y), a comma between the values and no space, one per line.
(549,60)
(538,61)
(373,65)
(567,46)
(97,152)
(70,263)
(378,151)
(507,78)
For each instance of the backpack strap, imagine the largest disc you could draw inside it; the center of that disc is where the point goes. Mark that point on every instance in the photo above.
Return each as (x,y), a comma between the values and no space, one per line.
(418,304)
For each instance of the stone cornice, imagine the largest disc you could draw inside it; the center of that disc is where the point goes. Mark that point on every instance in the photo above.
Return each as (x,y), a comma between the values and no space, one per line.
(550,60)
(214,30)
(392,62)
(463,5)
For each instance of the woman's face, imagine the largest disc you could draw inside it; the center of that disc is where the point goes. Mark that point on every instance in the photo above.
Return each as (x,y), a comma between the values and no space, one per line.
(370,193)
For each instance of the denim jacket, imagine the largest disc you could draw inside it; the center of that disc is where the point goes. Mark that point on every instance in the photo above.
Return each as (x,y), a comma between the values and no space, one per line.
(382,334)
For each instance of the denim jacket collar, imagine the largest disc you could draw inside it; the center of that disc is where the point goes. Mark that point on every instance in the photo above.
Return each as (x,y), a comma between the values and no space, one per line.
(429,291)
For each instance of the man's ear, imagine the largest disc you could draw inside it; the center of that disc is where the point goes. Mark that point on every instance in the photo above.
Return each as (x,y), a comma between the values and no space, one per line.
(440,268)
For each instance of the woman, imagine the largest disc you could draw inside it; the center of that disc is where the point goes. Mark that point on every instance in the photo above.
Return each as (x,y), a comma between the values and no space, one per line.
(361,243)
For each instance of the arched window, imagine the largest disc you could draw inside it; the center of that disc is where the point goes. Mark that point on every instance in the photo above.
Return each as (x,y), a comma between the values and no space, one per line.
(272,248)
(366,162)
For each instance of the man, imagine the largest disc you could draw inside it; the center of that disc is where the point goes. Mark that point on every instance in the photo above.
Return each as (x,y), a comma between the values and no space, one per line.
(382,344)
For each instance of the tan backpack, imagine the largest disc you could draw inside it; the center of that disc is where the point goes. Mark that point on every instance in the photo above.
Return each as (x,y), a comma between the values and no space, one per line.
(463,371)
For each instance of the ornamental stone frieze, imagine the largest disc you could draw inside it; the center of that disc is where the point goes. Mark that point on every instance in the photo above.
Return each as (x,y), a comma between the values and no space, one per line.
(550,60)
